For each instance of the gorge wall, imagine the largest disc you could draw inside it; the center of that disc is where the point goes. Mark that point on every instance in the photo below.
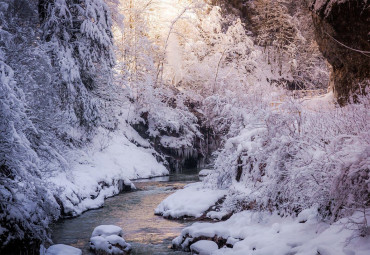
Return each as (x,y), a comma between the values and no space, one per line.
(342,33)
(341,30)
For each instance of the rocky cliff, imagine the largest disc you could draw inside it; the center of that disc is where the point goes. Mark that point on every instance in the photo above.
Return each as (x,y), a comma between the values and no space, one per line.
(342,32)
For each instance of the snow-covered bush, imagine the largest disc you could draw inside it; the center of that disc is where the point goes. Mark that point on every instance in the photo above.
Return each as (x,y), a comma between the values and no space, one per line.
(298,157)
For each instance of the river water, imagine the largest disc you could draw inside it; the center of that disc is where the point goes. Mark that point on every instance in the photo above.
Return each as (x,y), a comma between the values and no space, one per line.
(134,213)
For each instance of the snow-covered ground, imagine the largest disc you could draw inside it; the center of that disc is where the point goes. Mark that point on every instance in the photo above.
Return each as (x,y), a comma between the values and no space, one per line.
(259,233)
(192,201)
(205,172)
(203,247)
(103,170)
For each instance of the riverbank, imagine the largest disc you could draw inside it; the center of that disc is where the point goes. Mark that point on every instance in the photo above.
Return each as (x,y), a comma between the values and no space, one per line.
(261,232)
(134,212)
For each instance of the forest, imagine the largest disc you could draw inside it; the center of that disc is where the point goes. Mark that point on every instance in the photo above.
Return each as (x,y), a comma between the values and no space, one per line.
(268,98)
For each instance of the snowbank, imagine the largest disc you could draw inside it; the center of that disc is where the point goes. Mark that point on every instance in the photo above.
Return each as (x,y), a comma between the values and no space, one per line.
(107,230)
(205,172)
(265,234)
(62,249)
(192,201)
(107,239)
(203,247)
(103,170)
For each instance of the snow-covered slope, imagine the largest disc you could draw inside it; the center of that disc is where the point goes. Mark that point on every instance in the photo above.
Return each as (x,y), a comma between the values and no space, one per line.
(248,233)
(192,201)
(103,169)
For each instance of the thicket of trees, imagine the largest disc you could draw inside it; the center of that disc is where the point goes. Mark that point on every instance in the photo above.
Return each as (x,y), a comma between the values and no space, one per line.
(188,69)
(56,64)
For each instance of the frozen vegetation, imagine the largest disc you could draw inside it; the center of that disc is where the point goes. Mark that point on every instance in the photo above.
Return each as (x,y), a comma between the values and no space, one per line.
(97,93)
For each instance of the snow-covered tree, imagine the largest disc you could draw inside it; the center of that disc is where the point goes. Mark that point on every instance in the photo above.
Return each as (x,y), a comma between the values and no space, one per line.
(79,36)
(26,207)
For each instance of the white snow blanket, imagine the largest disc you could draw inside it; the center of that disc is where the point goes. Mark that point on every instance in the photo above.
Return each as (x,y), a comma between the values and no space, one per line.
(95,173)
(107,230)
(204,247)
(192,201)
(62,249)
(265,234)
(205,172)
(108,239)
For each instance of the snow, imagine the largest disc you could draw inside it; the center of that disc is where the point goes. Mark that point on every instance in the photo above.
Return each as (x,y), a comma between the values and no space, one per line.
(108,239)
(107,230)
(98,172)
(317,103)
(269,234)
(204,247)
(205,172)
(217,214)
(112,244)
(62,249)
(192,201)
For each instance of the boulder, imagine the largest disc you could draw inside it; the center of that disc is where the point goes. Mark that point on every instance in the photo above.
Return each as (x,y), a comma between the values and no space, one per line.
(107,239)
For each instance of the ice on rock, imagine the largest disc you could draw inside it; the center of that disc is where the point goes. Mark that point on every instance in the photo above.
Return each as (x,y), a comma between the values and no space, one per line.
(204,247)
(62,249)
(107,239)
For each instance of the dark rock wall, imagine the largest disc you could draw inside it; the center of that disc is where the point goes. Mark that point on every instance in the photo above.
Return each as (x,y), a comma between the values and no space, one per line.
(342,30)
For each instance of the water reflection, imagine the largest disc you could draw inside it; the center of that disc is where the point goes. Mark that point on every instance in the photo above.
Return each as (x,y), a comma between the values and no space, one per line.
(134,212)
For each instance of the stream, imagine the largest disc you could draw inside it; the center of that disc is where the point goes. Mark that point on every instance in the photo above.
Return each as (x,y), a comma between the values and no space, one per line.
(134,213)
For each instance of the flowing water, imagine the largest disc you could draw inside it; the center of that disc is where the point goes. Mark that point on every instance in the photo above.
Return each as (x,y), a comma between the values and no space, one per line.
(134,213)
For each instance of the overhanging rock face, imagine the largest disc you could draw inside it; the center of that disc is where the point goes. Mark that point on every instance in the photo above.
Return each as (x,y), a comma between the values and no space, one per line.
(342,29)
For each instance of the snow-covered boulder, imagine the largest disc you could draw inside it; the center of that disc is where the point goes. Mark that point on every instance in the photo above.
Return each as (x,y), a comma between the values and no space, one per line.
(107,230)
(62,249)
(203,247)
(192,201)
(263,233)
(107,239)
(205,172)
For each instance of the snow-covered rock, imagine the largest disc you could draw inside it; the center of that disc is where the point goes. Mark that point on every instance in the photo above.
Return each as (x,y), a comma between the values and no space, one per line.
(62,249)
(107,230)
(269,234)
(203,247)
(218,215)
(107,239)
(192,201)
(205,172)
